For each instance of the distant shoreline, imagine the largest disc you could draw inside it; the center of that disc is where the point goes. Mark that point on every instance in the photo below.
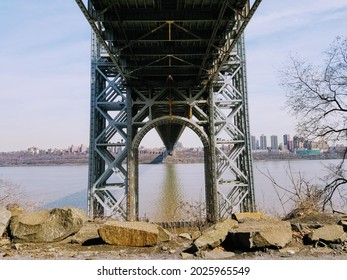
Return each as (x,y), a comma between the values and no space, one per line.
(181,156)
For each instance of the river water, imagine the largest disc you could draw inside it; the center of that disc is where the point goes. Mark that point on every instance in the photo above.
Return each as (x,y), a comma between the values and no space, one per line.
(166,191)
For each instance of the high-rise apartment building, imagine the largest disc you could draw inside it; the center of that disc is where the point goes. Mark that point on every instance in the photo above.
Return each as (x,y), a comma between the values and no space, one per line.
(253,143)
(274,142)
(263,145)
(286,138)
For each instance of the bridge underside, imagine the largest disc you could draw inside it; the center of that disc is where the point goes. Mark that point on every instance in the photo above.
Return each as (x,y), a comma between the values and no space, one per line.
(168,65)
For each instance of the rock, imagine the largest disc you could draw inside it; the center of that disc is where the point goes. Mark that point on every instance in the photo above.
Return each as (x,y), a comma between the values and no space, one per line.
(195,234)
(89,233)
(321,250)
(186,256)
(15,209)
(45,226)
(288,252)
(306,223)
(185,235)
(215,235)
(76,212)
(242,217)
(137,234)
(164,248)
(16,246)
(5,216)
(328,234)
(164,235)
(259,233)
(343,222)
(4,241)
(217,255)
(305,227)
(8,254)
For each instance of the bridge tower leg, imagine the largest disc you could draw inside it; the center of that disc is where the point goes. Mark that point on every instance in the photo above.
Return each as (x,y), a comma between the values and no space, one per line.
(109,138)
(230,136)
(217,113)
(113,166)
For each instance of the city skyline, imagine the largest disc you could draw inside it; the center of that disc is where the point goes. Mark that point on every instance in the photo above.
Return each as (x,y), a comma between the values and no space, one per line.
(45,73)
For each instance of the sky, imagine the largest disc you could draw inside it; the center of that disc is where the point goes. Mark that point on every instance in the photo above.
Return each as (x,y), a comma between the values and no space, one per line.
(45,68)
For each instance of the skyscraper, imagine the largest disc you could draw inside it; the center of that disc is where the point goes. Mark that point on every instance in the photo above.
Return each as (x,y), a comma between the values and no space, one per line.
(263,145)
(253,143)
(286,140)
(274,142)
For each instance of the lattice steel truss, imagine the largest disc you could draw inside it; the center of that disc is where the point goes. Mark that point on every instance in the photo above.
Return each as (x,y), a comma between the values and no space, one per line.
(209,96)
(232,140)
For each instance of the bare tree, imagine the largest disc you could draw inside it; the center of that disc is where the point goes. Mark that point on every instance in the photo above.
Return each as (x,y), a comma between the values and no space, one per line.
(300,195)
(317,97)
(11,193)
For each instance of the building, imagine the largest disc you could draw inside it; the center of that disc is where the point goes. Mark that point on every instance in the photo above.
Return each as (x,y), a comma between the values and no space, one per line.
(253,143)
(274,142)
(263,144)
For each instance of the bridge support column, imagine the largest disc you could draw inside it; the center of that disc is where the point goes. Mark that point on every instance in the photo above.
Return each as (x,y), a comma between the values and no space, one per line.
(231,139)
(108,147)
(132,182)
(211,165)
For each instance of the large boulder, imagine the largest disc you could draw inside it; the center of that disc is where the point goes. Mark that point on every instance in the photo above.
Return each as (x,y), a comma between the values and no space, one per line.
(46,226)
(328,234)
(88,234)
(259,233)
(5,217)
(215,235)
(137,234)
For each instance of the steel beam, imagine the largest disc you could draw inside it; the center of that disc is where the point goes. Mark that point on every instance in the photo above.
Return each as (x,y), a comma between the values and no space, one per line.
(138,84)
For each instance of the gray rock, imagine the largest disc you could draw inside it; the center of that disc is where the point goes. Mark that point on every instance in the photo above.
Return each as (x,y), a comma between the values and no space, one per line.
(46,226)
(215,235)
(260,233)
(137,234)
(5,216)
(328,234)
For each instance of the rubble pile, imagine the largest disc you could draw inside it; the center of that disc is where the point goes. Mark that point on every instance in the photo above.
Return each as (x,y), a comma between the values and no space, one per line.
(65,233)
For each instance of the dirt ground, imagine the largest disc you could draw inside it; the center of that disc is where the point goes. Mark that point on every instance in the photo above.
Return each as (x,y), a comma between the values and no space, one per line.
(166,251)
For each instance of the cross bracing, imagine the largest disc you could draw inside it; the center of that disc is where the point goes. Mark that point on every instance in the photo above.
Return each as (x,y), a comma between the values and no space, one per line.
(168,65)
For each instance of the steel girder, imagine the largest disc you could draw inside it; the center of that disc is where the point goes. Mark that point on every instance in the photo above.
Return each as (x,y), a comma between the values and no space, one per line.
(122,116)
(232,136)
(108,138)
(210,99)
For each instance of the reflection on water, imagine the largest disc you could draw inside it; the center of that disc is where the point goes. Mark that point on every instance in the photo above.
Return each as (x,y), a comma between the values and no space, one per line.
(166,191)
(170,196)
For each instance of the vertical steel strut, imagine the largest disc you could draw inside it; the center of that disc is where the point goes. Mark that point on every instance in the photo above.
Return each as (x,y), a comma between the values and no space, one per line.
(124,110)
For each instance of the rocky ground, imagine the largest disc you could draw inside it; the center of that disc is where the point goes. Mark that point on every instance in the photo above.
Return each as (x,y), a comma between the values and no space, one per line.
(247,236)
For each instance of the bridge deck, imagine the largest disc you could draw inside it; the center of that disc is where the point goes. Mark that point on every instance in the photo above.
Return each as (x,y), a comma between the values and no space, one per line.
(160,40)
